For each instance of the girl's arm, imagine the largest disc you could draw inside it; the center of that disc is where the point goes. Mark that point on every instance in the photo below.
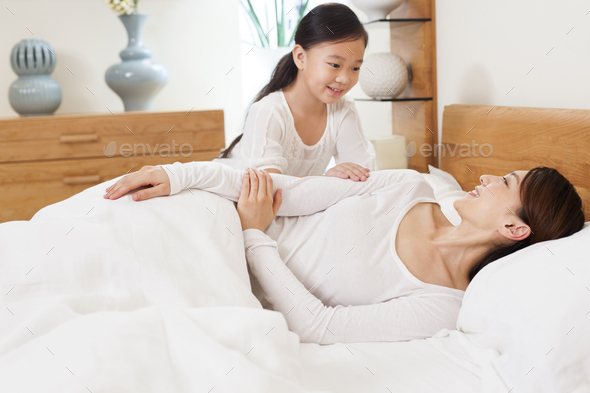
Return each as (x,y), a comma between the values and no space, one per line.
(263,131)
(398,319)
(351,143)
(302,196)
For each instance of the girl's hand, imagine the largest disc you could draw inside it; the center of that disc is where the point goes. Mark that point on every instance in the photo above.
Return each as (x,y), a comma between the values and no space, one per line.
(349,170)
(146,176)
(256,205)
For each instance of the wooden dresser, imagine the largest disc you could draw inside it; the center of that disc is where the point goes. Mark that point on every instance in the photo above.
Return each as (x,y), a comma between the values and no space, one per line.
(44,160)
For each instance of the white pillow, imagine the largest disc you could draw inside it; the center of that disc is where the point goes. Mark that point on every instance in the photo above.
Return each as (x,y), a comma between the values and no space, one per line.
(446,191)
(533,308)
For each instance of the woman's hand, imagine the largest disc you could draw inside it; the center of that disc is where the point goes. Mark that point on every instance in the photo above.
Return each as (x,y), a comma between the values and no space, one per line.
(256,205)
(349,170)
(147,176)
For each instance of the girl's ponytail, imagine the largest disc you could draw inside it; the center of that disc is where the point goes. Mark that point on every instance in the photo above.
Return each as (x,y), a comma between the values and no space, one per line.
(331,22)
(283,75)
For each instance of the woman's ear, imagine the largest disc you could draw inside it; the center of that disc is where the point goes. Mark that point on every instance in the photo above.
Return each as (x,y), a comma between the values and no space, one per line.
(516,231)
(299,56)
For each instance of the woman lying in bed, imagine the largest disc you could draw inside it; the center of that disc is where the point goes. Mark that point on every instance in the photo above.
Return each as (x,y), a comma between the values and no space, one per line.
(377,260)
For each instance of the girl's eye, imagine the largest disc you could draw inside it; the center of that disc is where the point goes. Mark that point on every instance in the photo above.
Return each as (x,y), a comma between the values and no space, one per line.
(356,68)
(334,65)
(505,181)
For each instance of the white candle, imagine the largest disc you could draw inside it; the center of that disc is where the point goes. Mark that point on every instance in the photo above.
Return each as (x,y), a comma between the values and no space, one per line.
(390,152)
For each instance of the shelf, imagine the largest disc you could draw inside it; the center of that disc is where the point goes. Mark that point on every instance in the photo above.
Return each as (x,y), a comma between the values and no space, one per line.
(399,20)
(412,35)
(395,99)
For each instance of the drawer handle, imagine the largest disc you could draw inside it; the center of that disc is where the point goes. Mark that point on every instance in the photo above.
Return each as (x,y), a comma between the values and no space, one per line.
(81,179)
(78,138)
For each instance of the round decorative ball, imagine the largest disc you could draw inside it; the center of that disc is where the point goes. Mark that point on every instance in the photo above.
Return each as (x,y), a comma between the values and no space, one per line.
(34,93)
(384,75)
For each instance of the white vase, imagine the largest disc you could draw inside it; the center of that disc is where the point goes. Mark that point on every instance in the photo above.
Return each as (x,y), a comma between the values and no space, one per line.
(137,79)
(377,9)
(257,67)
(384,75)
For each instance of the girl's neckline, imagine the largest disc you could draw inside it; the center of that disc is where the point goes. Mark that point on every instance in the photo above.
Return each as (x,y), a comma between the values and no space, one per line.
(398,260)
(292,119)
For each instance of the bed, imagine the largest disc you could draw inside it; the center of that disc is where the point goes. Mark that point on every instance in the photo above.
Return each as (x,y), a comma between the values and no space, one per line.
(106,296)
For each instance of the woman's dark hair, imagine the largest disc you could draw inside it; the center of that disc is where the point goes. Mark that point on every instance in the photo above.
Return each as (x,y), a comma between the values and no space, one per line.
(551,207)
(331,22)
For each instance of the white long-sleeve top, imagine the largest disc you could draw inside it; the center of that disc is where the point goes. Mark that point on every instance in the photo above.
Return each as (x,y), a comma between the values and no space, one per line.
(270,140)
(328,260)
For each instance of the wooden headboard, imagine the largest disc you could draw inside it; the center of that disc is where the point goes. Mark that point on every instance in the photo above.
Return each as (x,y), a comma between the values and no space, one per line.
(515,138)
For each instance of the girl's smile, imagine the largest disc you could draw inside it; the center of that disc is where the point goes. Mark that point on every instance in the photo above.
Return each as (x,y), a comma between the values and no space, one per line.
(335,92)
(328,71)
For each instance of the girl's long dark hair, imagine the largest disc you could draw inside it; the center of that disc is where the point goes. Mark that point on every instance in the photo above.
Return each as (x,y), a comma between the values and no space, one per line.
(551,207)
(331,22)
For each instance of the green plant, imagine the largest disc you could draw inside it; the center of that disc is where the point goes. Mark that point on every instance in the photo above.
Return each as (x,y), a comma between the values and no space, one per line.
(280,29)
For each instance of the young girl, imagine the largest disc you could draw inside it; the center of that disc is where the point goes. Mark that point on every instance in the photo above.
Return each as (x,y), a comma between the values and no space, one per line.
(302,117)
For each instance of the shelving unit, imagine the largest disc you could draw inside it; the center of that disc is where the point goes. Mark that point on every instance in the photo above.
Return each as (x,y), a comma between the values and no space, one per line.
(412,36)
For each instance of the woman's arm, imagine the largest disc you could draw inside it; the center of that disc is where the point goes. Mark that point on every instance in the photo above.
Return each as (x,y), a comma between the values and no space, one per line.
(398,319)
(302,196)
(272,170)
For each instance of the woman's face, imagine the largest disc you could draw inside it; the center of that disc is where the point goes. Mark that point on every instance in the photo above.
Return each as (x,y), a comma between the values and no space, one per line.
(330,70)
(493,204)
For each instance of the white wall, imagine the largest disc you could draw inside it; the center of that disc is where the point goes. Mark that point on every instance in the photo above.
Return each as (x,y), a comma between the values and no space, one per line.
(485,49)
(197,40)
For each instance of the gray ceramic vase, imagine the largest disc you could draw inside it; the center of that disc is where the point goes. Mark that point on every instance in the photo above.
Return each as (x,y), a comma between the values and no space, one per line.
(137,79)
(34,93)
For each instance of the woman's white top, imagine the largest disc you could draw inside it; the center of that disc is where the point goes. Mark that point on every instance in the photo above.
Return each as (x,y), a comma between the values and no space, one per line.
(328,260)
(270,140)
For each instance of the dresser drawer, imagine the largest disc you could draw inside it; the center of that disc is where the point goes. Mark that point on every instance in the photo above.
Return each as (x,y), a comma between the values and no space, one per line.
(58,137)
(27,187)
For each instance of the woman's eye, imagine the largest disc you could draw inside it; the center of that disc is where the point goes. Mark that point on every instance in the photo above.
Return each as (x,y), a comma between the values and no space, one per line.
(334,65)
(505,181)
(356,68)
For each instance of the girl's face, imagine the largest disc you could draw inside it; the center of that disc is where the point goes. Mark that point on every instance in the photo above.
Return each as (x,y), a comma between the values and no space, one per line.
(330,70)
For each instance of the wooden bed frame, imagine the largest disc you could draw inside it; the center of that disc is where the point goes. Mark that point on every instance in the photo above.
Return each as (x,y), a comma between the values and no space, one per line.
(518,139)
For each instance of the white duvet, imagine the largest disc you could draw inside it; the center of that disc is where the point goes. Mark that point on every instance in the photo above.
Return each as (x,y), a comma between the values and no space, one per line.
(121,296)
